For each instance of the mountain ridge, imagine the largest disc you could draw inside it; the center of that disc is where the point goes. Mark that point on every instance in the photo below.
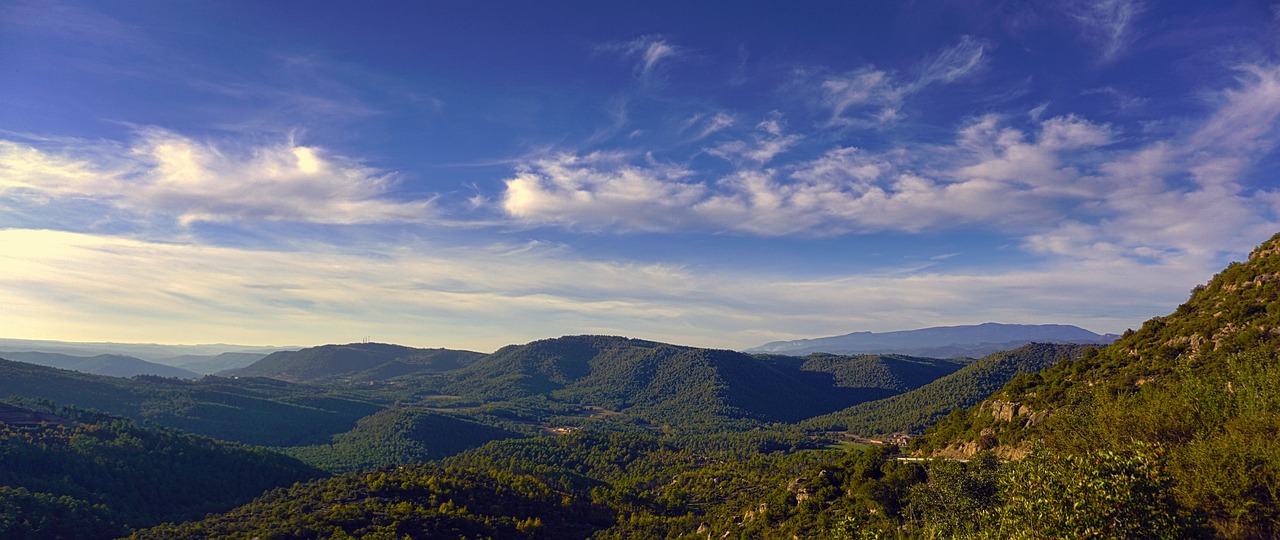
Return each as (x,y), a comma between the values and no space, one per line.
(939,341)
(111,365)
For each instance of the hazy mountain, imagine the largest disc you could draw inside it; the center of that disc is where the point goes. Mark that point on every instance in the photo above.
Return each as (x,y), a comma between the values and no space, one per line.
(209,364)
(147,351)
(355,361)
(940,342)
(112,365)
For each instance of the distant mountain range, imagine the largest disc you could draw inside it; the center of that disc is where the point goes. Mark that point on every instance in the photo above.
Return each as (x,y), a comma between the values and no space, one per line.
(201,359)
(113,365)
(971,341)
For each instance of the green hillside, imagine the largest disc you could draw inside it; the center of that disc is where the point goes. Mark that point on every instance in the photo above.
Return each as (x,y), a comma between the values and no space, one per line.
(1199,389)
(913,411)
(892,372)
(399,436)
(685,387)
(76,474)
(355,361)
(251,411)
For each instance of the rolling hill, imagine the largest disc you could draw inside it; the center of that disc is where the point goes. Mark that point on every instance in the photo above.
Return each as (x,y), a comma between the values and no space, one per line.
(940,342)
(251,411)
(397,437)
(355,361)
(112,365)
(687,386)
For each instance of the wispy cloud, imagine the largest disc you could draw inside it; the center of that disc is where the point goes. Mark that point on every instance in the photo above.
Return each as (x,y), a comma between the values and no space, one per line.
(649,51)
(764,145)
(720,121)
(1107,23)
(953,62)
(875,96)
(165,174)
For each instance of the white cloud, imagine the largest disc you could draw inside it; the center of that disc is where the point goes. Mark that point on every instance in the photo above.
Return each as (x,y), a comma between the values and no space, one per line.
(600,190)
(483,297)
(163,173)
(1068,186)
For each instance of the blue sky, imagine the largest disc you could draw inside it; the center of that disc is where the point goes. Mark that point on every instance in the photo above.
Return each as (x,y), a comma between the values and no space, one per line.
(473,174)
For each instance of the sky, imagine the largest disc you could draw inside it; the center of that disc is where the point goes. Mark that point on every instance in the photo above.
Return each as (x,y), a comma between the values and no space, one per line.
(475,174)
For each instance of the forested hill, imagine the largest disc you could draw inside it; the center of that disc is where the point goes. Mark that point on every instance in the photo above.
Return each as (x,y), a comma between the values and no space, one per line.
(355,361)
(68,473)
(1201,386)
(687,386)
(252,411)
(913,411)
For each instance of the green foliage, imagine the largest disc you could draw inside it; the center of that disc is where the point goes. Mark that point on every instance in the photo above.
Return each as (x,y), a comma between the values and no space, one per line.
(37,516)
(416,501)
(958,500)
(1100,494)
